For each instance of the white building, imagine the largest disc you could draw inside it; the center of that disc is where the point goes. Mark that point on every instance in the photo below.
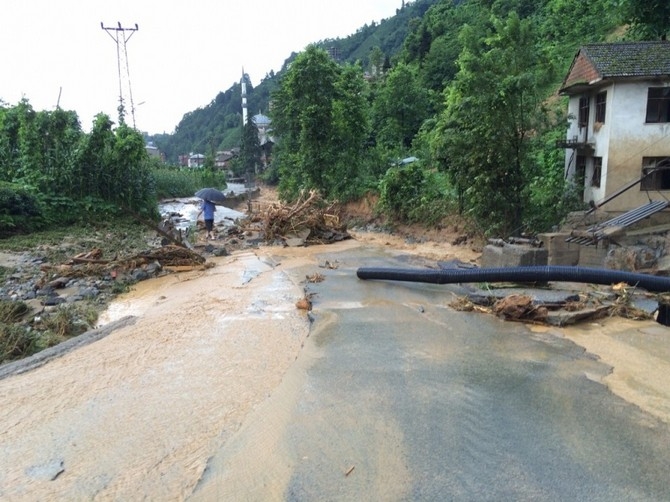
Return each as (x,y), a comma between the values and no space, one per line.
(196,160)
(618,142)
(265,139)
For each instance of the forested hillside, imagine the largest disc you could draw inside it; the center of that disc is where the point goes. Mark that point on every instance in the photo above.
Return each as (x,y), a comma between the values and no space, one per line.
(468,88)
(218,125)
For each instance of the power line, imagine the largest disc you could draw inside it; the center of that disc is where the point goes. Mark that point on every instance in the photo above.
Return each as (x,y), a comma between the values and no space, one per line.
(121,35)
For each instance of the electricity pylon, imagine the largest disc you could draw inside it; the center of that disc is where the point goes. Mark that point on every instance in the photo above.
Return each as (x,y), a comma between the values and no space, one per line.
(121,35)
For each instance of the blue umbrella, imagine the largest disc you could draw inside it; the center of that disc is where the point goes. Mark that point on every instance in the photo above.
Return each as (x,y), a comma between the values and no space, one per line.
(211,195)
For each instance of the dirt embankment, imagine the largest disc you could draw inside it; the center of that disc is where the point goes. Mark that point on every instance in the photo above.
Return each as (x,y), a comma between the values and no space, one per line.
(448,241)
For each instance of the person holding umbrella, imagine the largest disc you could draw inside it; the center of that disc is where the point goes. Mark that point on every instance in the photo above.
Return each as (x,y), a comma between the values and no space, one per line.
(207,209)
(209,196)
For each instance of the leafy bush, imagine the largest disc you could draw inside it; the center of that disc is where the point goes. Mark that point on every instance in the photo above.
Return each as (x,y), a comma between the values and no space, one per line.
(20,210)
(64,210)
(16,342)
(184,182)
(69,320)
(411,194)
(550,195)
(12,311)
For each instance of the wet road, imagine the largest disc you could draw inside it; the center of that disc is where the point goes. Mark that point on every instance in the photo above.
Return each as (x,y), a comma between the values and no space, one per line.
(222,390)
(398,397)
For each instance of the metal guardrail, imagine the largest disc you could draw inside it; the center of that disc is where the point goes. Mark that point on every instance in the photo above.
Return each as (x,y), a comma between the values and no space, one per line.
(592,235)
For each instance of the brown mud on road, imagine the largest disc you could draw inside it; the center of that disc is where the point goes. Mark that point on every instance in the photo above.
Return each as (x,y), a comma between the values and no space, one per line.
(137,414)
(639,355)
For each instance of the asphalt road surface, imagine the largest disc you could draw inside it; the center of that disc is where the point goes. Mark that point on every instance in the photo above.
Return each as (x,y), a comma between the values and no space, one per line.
(222,390)
(399,397)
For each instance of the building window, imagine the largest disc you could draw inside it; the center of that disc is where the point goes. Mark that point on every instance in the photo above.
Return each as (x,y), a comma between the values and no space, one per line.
(597,171)
(580,170)
(656,172)
(601,106)
(583,111)
(658,105)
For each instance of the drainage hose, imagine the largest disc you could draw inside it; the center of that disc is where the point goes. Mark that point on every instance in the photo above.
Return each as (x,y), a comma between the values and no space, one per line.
(518,274)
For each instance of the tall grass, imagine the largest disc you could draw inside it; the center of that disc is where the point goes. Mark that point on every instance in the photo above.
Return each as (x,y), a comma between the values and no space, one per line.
(184,182)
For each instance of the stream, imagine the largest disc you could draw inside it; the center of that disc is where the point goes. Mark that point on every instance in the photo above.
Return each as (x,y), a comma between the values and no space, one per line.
(183,211)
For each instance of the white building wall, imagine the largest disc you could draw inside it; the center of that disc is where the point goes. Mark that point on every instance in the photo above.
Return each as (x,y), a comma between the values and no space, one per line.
(622,141)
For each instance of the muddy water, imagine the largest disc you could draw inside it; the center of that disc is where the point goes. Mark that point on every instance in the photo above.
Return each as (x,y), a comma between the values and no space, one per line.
(138,413)
(187,208)
(221,390)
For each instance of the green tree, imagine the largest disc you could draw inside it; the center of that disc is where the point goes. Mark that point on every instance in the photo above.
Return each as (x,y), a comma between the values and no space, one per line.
(376,59)
(12,122)
(39,148)
(493,109)
(400,107)
(352,128)
(95,160)
(320,123)
(131,184)
(649,19)
(250,148)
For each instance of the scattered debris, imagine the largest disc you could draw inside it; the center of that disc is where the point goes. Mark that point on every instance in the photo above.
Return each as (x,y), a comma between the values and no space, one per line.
(560,308)
(315,277)
(304,304)
(169,256)
(309,220)
(91,264)
(465,304)
(519,308)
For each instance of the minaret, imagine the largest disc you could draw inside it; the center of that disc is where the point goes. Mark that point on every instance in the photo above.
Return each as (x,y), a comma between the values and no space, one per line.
(243,83)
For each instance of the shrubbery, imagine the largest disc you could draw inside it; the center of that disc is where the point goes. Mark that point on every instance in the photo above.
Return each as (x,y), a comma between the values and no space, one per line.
(411,194)
(20,210)
(184,182)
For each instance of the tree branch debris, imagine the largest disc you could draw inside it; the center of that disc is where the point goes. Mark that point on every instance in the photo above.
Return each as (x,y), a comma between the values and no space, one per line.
(309,220)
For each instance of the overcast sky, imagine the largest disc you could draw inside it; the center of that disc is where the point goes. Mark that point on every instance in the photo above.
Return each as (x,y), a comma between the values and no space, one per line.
(182,56)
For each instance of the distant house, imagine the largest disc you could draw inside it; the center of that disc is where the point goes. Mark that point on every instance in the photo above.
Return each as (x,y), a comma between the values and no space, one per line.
(152,150)
(196,160)
(223,158)
(618,141)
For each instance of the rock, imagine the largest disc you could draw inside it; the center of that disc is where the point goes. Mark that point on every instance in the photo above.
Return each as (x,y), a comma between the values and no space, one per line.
(58,283)
(139,274)
(304,304)
(53,300)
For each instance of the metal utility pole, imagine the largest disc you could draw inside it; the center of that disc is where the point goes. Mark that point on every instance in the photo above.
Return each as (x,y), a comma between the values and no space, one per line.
(121,35)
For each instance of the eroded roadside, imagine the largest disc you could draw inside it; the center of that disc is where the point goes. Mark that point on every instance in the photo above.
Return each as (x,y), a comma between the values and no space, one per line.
(138,413)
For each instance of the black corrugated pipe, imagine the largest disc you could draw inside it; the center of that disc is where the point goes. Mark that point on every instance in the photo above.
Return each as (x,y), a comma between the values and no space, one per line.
(518,274)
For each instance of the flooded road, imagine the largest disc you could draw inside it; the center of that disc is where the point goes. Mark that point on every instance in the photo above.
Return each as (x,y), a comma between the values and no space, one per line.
(398,397)
(223,390)
(184,211)
(137,414)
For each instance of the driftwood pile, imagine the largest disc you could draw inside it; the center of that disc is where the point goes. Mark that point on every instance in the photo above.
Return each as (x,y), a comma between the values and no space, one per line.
(170,256)
(92,263)
(309,219)
(585,306)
